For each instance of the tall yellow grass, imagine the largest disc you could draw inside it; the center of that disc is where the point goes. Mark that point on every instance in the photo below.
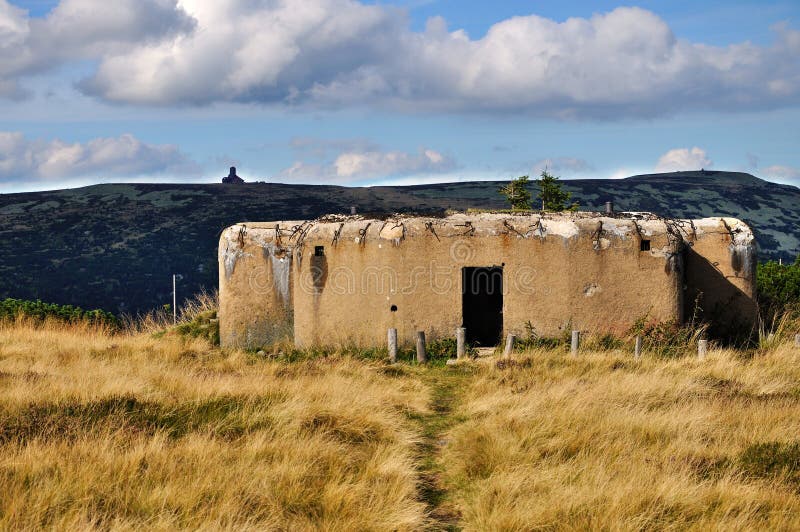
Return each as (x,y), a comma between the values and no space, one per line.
(603,442)
(104,430)
(129,432)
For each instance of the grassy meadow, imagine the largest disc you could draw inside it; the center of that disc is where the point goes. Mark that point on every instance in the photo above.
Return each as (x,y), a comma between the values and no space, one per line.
(130,430)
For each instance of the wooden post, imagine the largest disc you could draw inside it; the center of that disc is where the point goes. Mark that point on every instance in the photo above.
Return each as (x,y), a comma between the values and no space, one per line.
(392,345)
(422,356)
(797,340)
(509,346)
(637,350)
(461,342)
(576,342)
(702,349)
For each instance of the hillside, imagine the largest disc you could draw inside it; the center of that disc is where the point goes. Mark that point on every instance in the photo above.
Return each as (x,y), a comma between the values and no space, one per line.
(116,246)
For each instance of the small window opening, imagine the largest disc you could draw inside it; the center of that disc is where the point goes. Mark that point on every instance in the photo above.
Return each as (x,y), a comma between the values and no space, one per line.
(393,308)
(644,245)
(319,251)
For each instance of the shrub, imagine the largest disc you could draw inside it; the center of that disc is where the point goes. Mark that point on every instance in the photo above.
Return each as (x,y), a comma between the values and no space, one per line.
(667,338)
(203,325)
(197,318)
(40,311)
(532,340)
(779,284)
(779,290)
(438,351)
(605,342)
(445,348)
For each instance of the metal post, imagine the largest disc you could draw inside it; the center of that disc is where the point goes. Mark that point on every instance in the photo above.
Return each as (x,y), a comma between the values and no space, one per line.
(797,340)
(609,207)
(637,351)
(509,346)
(392,338)
(174,301)
(702,349)
(461,342)
(353,210)
(576,342)
(422,356)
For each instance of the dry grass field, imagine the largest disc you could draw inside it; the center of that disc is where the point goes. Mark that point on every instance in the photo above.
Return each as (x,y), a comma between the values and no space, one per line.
(603,442)
(129,431)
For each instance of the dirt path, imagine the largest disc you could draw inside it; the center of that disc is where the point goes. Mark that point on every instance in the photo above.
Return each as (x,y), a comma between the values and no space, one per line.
(447,385)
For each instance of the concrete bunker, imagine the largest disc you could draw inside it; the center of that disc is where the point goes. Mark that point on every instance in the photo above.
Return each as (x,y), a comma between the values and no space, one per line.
(347,279)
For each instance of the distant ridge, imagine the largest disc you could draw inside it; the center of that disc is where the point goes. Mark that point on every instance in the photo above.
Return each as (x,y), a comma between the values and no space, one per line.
(115,246)
(717,176)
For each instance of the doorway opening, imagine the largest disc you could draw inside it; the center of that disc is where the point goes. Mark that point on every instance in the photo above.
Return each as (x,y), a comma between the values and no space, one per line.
(482,304)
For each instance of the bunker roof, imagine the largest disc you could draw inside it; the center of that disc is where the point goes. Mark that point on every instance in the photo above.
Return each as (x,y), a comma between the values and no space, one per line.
(524,224)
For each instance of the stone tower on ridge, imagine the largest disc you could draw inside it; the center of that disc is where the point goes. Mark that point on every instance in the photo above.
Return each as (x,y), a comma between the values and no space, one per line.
(232,178)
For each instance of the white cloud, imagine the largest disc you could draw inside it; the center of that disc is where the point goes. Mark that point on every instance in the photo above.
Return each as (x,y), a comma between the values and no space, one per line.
(83,29)
(682,159)
(351,165)
(782,173)
(13,25)
(561,165)
(341,53)
(26,160)
(360,160)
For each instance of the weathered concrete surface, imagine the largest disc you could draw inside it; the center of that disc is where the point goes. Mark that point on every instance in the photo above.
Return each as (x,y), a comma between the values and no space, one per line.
(255,276)
(349,279)
(721,273)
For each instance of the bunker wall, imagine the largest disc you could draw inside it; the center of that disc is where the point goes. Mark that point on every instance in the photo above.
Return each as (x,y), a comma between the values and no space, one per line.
(255,288)
(576,275)
(721,262)
(350,281)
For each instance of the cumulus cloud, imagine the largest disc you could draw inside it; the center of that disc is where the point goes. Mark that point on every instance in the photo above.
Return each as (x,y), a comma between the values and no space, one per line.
(682,159)
(24,160)
(13,25)
(340,53)
(83,29)
(360,160)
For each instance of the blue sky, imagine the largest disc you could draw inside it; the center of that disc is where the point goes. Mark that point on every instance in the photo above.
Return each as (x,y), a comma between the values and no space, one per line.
(351,93)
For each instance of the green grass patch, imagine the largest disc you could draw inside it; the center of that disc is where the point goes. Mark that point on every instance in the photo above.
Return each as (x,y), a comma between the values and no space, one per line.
(772,460)
(203,325)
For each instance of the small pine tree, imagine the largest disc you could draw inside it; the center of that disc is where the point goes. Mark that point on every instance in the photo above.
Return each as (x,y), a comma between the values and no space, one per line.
(517,193)
(553,197)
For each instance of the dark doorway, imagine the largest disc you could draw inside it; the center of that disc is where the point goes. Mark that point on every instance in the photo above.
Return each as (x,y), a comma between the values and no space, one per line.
(482,304)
